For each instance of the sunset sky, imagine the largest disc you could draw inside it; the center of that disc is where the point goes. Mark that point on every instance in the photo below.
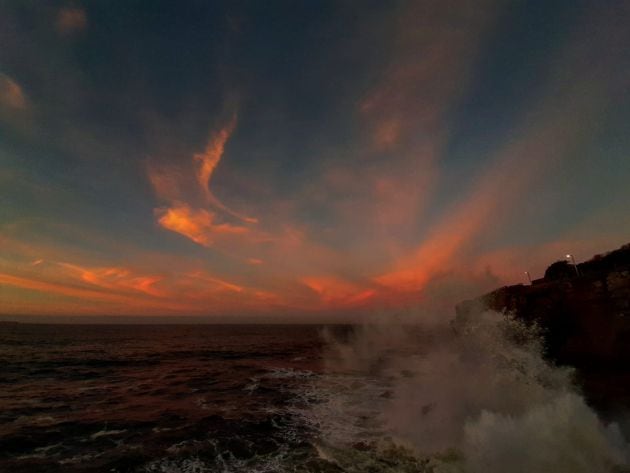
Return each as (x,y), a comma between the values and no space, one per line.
(303,159)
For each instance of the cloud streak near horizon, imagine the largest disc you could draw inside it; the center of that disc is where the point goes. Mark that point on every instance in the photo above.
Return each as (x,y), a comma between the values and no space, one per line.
(374,156)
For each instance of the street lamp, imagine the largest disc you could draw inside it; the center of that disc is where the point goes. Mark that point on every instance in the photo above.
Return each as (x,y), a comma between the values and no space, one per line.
(572,259)
(529,278)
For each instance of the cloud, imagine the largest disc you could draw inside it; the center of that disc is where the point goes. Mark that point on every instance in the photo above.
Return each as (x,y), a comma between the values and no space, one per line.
(62,289)
(207,163)
(334,290)
(541,145)
(217,282)
(11,95)
(198,225)
(432,50)
(71,287)
(550,130)
(71,20)
(166,183)
(117,279)
(437,251)
(109,301)
(201,225)
(365,219)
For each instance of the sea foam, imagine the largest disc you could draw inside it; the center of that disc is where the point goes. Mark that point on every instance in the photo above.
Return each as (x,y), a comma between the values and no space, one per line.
(477,398)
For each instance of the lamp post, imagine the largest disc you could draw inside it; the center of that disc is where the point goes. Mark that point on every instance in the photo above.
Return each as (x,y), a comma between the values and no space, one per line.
(572,259)
(529,278)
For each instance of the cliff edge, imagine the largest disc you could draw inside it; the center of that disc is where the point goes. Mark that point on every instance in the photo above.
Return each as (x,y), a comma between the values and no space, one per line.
(584,314)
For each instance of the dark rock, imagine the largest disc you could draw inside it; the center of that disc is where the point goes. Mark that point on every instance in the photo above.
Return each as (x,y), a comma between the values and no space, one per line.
(584,316)
(585,319)
(559,270)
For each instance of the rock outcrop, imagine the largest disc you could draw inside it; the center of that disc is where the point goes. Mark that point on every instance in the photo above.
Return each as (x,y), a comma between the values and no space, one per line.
(584,315)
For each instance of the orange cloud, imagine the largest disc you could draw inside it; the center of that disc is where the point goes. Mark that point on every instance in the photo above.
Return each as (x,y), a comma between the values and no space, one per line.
(115,278)
(561,118)
(202,276)
(75,288)
(70,20)
(44,286)
(11,94)
(542,145)
(197,225)
(209,160)
(110,302)
(437,251)
(333,290)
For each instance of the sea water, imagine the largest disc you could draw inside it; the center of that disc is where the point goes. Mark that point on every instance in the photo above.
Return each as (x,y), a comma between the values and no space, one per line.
(246,398)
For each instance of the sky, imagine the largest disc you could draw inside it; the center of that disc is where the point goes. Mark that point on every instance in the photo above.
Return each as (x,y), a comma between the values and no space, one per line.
(303,160)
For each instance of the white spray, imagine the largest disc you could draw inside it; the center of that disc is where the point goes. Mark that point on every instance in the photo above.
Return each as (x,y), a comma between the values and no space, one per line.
(479,395)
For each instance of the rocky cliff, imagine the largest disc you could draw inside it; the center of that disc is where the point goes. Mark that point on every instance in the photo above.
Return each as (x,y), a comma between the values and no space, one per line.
(584,315)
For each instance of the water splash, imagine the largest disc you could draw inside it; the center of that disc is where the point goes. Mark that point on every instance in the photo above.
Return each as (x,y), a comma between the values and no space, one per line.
(477,398)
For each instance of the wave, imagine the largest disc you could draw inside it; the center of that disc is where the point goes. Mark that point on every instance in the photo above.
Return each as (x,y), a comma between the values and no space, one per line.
(479,398)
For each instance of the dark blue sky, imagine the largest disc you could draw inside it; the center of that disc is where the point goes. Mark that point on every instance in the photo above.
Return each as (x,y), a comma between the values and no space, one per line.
(231,157)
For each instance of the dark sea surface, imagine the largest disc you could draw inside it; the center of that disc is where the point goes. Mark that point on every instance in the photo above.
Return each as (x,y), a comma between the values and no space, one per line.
(271,398)
(155,398)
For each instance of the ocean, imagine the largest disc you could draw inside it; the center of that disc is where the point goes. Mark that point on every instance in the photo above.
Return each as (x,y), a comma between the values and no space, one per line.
(275,398)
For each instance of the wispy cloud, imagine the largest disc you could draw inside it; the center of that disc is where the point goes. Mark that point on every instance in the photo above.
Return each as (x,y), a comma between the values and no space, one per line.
(201,224)
(351,210)
(117,289)
(543,144)
(215,281)
(432,51)
(70,20)
(11,94)
(116,279)
(333,290)
(45,286)
(208,162)
(550,129)
(167,182)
